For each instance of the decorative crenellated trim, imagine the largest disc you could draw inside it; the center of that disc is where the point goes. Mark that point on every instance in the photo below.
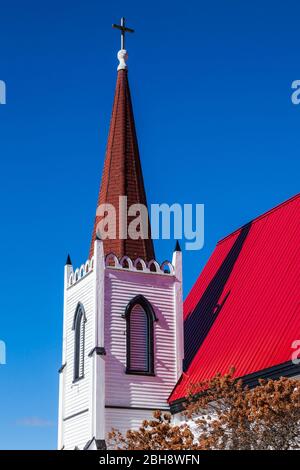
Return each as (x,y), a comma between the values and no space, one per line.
(140,262)
(139,265)
(167,267)
(126,263)
(111,257)
(81,272)
(124,260)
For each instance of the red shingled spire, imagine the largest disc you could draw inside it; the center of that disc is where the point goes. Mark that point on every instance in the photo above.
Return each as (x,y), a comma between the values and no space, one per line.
(122,174)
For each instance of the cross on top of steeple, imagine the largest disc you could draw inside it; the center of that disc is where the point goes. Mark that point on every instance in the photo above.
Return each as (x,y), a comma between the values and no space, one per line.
(123,30)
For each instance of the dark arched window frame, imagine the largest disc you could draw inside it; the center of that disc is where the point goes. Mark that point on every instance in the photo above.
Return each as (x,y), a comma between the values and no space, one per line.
(151,318)
(79,319)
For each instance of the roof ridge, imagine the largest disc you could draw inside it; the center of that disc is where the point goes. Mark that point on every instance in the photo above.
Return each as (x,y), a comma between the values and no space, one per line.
(259,217)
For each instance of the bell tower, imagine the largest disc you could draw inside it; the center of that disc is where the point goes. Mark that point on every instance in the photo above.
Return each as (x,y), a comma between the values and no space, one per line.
(122,329)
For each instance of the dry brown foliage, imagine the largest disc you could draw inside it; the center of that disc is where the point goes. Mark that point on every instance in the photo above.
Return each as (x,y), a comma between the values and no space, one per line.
(224,415)
(156,434)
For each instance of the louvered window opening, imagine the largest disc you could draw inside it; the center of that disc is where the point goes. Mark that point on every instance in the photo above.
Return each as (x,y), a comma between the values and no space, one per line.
(79,326)
(139,334)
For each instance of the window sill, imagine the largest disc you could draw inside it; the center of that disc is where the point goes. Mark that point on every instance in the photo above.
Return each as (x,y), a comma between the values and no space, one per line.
(75,381)
(139,372)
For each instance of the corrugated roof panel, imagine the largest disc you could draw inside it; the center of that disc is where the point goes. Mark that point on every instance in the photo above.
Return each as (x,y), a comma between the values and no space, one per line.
(244,309)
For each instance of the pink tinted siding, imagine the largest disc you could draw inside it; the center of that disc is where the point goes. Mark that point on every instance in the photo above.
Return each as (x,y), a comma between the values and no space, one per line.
(244,309)
(139,391)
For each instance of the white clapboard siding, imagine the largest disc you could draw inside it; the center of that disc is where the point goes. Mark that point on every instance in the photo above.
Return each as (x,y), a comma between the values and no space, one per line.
(138,339)
(77,394)
(138,390)
(76,432)
(123,420)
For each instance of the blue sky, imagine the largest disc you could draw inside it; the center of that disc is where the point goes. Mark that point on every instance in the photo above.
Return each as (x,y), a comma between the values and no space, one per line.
(211,86)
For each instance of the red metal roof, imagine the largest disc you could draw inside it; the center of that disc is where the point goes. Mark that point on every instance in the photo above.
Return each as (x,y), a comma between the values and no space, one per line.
(122,174)
(244,309)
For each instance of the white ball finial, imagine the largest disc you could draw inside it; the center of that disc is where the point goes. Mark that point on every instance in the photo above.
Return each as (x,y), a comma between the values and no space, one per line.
(122,56)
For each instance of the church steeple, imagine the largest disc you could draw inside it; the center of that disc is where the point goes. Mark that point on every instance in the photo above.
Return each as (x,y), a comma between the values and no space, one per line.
(122,173)
(122,327)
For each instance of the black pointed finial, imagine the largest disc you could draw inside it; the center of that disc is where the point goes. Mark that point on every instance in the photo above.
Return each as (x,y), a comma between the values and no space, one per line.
(68,262)
(177,246)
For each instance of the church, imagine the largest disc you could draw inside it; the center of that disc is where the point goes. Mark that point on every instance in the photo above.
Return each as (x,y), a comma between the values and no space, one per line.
(131,345)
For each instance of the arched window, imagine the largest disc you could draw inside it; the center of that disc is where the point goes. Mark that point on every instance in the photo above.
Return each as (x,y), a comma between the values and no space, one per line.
(140,316)
(79,327)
